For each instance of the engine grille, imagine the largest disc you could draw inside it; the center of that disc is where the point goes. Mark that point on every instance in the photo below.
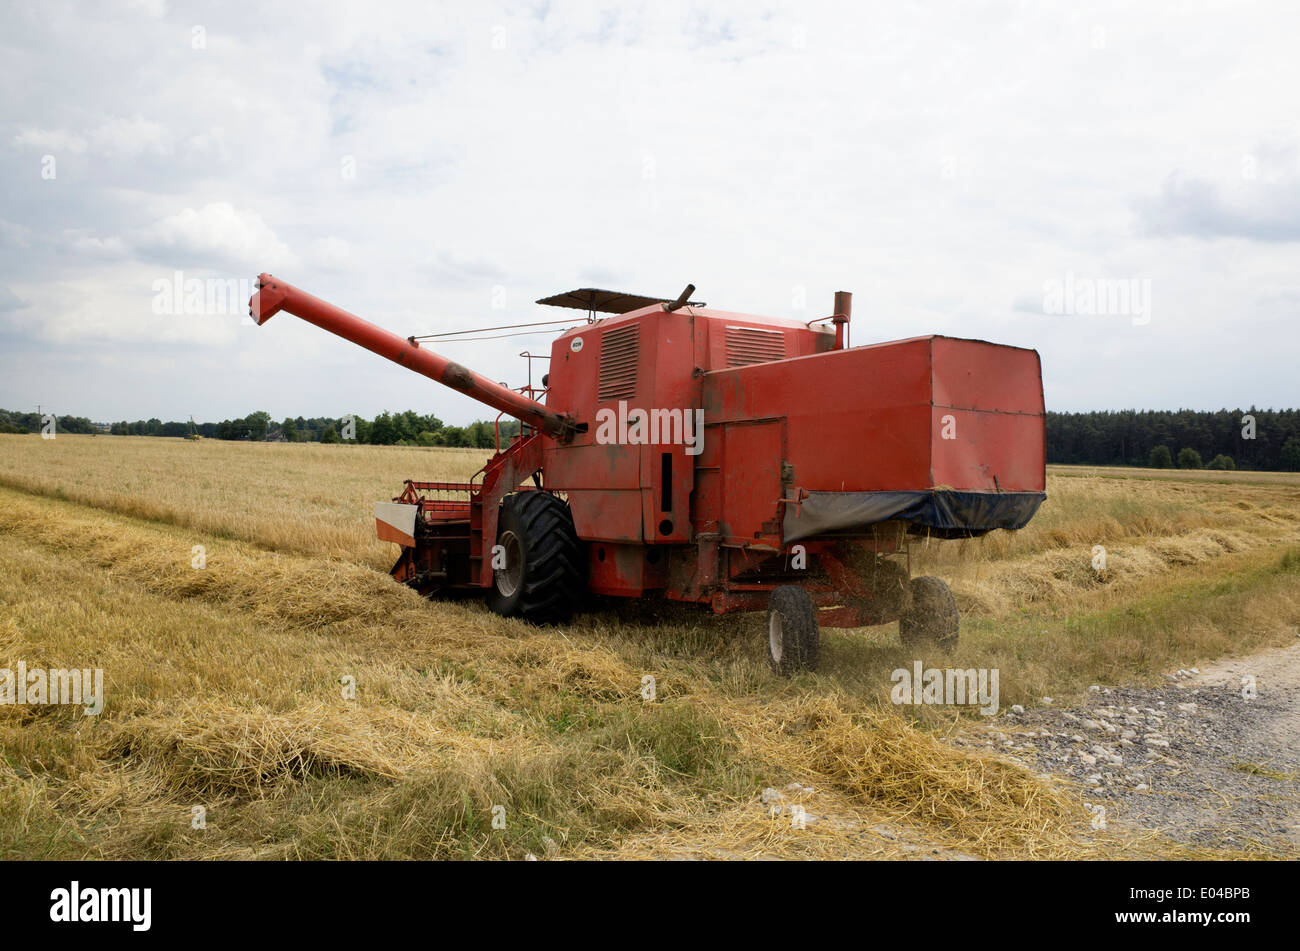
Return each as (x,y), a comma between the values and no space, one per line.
(746,345)
(619,351)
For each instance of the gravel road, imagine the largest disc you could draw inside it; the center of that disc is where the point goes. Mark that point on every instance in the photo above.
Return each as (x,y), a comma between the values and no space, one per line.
(1211,758)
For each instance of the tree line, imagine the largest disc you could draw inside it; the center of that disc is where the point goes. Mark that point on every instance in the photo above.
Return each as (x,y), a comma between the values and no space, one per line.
(12,421)
(408,428)
(1190,439)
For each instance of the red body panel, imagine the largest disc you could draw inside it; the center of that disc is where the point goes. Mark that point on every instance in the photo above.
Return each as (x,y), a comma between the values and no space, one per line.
(875,419)
(995,395)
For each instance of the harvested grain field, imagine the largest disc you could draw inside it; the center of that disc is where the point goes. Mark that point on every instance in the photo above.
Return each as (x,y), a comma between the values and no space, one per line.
(288,700)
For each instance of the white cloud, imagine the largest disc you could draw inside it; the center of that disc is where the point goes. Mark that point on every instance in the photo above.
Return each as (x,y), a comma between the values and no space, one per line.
(210,141)
(151,8)
(115,137)
(331,254)
(9,300)
(81,243)
(53,140)
(217,233)
(1251,208)
(118,138)
(115,309)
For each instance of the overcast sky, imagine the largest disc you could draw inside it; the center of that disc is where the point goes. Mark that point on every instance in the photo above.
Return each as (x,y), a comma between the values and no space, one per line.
(961,168)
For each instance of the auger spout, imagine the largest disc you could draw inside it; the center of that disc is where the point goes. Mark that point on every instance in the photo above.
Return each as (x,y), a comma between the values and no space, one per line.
(274,295)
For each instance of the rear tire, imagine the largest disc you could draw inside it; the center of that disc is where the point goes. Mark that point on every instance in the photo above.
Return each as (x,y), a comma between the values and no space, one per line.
(931,619)
(543,578)
(793,636)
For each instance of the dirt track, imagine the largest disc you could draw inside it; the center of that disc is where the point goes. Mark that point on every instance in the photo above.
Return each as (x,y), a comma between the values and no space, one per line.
(1198,760)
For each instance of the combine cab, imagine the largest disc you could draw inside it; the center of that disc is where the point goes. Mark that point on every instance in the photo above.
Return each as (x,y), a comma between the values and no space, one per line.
(745,463)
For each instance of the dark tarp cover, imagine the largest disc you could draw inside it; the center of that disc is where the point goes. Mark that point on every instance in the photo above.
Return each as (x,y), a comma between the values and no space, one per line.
(945,510)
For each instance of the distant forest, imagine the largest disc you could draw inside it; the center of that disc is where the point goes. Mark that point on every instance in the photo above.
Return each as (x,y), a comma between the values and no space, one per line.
(1220,439)
(386,429)
(1241,439)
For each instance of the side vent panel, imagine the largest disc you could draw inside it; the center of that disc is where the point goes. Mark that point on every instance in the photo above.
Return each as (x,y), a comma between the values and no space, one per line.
(620,349)
(746,345)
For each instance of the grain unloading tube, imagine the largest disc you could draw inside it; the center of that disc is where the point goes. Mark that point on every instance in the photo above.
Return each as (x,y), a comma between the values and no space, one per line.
(274,295)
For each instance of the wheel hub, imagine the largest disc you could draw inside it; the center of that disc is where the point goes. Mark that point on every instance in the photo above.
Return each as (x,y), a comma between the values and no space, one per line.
(775,636)
(510,577)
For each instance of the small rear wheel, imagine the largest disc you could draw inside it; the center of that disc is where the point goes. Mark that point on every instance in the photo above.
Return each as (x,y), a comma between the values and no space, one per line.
(793,637)
(931,619)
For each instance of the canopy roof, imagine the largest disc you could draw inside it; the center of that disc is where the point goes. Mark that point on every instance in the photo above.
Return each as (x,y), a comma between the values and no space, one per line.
(607,302)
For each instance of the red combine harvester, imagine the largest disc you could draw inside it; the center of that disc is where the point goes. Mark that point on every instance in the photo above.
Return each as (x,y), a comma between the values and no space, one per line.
(747,463)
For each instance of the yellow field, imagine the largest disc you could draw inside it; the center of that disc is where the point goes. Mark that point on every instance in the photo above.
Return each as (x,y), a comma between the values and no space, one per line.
(225,686)
(305,497)
(1179,475)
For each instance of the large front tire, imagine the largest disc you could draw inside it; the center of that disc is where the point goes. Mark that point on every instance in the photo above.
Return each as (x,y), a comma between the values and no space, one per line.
(542,578)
